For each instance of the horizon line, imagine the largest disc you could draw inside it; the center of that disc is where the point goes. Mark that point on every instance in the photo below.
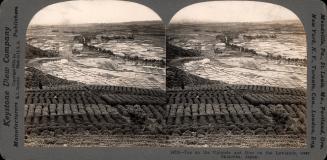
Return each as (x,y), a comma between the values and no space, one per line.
(96,23)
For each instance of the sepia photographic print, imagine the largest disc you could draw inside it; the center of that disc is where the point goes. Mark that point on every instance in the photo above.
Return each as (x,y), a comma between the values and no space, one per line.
(95,75)
(236,76)
(163,79)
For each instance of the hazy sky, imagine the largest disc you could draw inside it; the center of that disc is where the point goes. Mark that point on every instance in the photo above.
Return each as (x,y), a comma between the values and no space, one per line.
(93,11)
(111,11)
(241,11)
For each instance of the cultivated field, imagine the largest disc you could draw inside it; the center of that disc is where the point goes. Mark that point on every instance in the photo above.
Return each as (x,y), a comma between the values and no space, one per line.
(125,54)
(225,85)
(238,82)
(96,80)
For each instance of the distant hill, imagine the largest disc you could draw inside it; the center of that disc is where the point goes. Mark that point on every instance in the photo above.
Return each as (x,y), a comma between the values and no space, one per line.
(105,24)
(214,23)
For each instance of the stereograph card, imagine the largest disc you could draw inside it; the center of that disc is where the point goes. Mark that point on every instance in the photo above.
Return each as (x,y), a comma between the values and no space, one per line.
(139,79)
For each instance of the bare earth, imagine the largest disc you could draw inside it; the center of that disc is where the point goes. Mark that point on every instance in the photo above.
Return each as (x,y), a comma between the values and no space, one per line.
(211,141)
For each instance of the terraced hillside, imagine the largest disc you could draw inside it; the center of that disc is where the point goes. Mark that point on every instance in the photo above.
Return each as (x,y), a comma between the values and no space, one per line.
(193,117)
(198,116)
(35,78)
(210,95)
(242,115)
(99,80)
(265,112)
(238,112)
(177,78)
(58,107)
(194,112)
(93,110)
